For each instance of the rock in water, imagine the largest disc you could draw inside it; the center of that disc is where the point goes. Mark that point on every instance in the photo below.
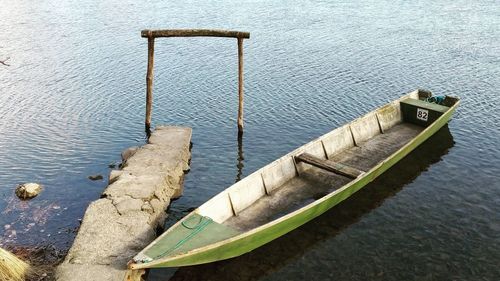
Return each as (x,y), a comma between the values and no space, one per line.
(28,190)
(95,177)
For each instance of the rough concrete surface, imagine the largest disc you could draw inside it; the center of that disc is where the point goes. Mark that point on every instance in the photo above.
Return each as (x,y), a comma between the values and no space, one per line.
(123,222)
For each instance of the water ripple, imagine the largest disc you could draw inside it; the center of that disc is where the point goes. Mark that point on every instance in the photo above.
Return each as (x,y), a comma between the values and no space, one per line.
(73,98)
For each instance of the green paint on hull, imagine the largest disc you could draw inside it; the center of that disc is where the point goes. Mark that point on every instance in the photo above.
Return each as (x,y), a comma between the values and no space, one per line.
(195,232)
(255,238)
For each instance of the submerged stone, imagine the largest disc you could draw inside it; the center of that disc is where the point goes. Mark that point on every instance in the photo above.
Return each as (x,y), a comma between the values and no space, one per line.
(95,177)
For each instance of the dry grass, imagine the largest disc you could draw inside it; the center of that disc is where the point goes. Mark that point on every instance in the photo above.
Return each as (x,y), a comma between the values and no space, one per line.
(13,268)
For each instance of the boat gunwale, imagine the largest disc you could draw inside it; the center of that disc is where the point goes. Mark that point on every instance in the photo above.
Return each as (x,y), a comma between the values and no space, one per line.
(379,165)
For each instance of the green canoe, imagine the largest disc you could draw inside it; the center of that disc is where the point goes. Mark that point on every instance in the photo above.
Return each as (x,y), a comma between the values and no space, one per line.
(299,186)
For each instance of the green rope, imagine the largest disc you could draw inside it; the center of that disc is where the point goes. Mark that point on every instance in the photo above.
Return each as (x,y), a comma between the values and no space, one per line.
(436,99)
(196,229)
(191,227)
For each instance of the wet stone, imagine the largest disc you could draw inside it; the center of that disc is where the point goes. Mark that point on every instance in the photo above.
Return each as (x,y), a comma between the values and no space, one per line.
(28,190)
(95,177)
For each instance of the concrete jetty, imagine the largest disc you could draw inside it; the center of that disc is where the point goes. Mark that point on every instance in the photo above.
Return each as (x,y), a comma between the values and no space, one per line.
(123,221)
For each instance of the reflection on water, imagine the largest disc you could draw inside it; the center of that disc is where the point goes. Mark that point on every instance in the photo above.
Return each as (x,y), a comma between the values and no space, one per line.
(240,158)
(73,98)
(260,263)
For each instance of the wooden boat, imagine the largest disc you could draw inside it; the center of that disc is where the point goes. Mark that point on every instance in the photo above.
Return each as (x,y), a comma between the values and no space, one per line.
(300,185)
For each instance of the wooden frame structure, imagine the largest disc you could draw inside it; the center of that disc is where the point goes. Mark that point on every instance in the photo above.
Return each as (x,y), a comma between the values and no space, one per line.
(152,34)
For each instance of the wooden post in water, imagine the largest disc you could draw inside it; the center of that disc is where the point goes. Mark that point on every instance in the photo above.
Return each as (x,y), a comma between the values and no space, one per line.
(240,86)
(149,80)
(152,34)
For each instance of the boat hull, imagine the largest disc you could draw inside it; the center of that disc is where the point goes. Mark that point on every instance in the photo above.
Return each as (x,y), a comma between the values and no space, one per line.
(261,235)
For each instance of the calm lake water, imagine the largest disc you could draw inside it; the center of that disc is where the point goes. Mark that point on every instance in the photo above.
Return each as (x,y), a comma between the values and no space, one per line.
(73,98)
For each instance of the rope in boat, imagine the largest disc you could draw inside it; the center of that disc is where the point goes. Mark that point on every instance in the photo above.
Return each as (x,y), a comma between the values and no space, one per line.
(436,99)
(184,223)
(197,229)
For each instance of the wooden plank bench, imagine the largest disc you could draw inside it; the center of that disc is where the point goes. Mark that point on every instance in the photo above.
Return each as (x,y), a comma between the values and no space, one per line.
(334,167)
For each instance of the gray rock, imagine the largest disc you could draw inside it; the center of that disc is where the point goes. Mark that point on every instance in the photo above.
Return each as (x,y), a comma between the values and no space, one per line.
(89,272)
(177,193)
(127,153)
(129,205)
(157,205)
(146,207)
(113,175)
(28,190)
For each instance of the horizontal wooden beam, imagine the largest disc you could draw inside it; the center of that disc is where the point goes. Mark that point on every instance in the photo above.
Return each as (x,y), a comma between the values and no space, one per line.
(330,166)
(193,33)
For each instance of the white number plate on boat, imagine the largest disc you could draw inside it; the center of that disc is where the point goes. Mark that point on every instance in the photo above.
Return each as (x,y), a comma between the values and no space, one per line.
(422,114)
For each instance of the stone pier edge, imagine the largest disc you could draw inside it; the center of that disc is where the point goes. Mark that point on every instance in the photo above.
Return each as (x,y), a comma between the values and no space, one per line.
(124,220)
